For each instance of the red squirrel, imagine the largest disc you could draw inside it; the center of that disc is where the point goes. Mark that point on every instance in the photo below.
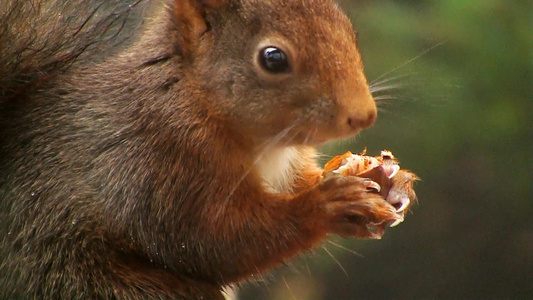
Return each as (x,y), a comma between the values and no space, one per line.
(180,160)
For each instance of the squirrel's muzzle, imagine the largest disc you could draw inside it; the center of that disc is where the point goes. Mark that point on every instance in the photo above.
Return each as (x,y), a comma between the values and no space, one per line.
(356,110)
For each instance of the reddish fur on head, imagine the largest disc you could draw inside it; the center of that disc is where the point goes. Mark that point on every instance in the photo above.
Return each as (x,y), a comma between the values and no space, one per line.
(325,96)
(189,16)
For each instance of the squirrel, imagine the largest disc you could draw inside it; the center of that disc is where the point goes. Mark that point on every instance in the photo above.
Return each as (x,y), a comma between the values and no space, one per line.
(174,156)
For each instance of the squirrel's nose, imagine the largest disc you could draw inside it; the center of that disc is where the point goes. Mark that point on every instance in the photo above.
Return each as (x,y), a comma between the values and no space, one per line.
(360,121)
(357,113)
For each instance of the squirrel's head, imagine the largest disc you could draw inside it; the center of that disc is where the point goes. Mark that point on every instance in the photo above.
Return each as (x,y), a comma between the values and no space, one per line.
(278,69)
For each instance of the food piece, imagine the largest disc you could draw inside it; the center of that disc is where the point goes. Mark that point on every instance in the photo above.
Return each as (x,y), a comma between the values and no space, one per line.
(385,178)
(349,164)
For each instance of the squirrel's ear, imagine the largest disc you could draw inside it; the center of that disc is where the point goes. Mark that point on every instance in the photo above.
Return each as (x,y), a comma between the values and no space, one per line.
(191,22)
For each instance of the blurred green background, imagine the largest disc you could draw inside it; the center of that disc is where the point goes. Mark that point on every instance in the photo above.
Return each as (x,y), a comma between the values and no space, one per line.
(459,79)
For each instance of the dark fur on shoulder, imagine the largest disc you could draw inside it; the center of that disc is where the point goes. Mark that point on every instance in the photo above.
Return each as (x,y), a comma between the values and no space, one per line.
(40,39)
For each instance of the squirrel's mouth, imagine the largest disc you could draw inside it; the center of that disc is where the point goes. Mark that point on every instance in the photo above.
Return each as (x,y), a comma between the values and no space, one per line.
(307,128)
(321,136)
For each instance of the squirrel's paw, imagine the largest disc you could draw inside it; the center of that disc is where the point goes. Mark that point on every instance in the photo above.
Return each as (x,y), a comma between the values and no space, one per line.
(352,209)
(401,193)
(384,177)
(396,186)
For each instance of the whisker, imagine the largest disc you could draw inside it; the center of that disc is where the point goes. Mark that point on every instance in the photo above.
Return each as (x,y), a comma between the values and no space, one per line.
(288,141)
(385,98)
(377,89)
(315,132)
(335,259)
(407,62)
(391,79)
(307,137)
(322,158)
(345,248)
(307,268)
(382,110)
(263,280)
(311,133)
(269,145)
(288,288)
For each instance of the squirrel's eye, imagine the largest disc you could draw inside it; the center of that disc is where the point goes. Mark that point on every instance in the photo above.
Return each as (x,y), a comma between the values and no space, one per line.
(273,60)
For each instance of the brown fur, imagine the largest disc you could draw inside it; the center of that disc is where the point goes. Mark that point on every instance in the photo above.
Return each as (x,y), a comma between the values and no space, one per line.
(129,171)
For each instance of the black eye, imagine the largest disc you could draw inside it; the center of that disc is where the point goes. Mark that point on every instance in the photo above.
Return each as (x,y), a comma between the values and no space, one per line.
(273,60)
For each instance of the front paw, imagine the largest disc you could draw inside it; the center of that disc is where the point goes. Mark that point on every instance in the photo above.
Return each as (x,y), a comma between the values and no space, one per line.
(384,178)
(401,193)
(395,186)
(353,209)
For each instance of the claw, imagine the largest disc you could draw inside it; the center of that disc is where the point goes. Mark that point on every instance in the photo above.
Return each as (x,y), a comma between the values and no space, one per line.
(398,221)
(391,170)
(404,203)
(399,200)
(372,185)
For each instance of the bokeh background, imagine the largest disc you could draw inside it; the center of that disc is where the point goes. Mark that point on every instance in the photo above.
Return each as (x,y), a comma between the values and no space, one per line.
(458,110)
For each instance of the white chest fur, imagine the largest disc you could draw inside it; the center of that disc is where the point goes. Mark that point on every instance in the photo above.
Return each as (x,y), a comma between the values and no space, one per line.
(279,168)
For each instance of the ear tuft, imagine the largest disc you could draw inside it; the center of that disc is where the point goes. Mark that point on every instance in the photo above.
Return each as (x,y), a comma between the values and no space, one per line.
(191,22)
